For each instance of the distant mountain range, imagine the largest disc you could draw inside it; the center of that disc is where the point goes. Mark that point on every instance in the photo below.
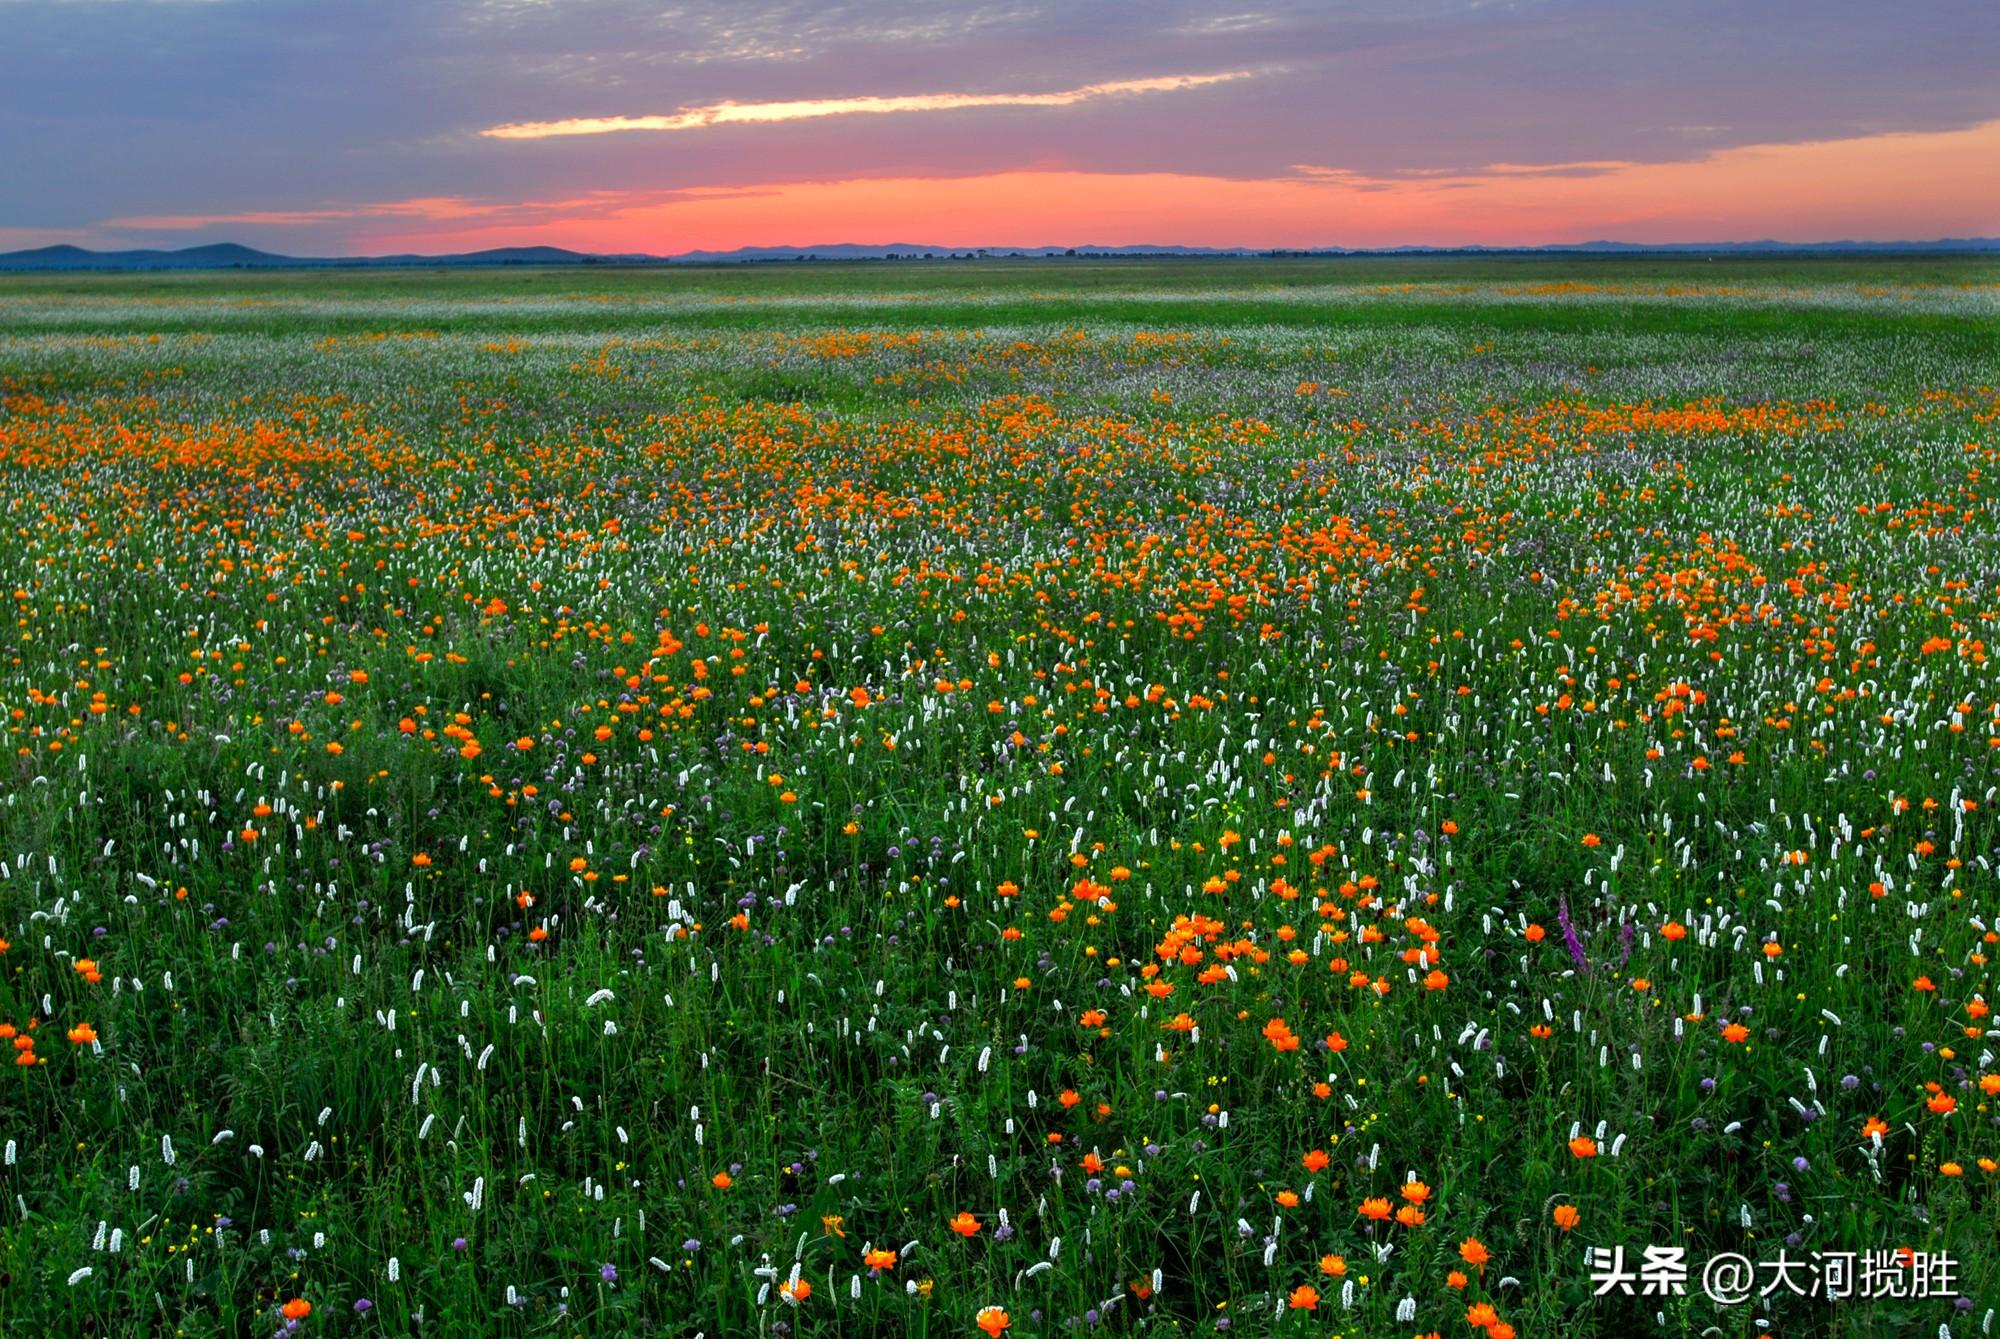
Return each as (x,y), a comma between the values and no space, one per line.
(230,255)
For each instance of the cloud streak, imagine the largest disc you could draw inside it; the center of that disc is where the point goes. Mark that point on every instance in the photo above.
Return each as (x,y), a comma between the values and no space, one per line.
(768,113)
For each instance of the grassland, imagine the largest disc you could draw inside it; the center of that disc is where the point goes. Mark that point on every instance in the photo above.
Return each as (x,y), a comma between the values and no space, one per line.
(1034,798)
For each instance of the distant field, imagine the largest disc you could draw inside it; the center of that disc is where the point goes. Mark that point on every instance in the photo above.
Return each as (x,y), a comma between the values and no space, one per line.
(1162,797)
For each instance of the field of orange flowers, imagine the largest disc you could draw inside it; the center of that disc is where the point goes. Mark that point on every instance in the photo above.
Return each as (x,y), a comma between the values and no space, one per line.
(1211,801)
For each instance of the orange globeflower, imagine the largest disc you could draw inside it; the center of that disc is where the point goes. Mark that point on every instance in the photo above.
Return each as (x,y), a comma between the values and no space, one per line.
(1583,1146)
(1592,839)
(82,1034)
(993,1320)
(1333,1265)
(1416,1192)
(1943,1104)
(722,1180)
(879,1259)
(1873,1126)
(1376,1208)
(1305,1297)
(297,1309)
(965,1224)
(1473,1251)
(1567,1216)
(798,1291)
(1316,1160)
(1280,1035)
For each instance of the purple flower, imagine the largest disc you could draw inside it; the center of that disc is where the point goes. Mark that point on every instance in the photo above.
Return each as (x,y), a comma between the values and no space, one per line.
(1570,941)
(608,1273)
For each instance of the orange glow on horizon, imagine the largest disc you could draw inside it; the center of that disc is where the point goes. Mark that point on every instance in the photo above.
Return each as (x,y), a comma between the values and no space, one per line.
(1887,187)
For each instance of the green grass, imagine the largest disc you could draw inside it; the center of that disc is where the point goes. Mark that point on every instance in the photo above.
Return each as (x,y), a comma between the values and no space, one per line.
(1394,631)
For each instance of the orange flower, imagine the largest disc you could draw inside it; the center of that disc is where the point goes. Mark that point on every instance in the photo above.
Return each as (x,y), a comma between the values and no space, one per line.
(1473,1251)
(1583,1146)
(297,1309)
(1416,1192)
(1316,1160)
(993,1320)
(722,1180)
(1567,1216)
(1280,1036)
(1592,839)
(82,1034)
(1333,1266)
(1943,1103)
(1305,1297)
(798,1291)
(1376,1208)
(1873,1126)
(964,1224)
(879,1259)
(1736,1033)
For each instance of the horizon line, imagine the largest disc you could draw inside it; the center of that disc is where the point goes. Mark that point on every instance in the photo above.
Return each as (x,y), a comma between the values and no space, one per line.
(1057,250)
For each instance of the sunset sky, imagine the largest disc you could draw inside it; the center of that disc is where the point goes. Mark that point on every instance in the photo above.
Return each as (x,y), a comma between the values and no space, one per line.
(369,126)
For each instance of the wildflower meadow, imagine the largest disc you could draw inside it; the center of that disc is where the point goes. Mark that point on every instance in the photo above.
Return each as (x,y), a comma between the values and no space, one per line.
(1364,798)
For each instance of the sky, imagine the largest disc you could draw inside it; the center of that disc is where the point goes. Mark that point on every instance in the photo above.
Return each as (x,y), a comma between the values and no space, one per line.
(356,127)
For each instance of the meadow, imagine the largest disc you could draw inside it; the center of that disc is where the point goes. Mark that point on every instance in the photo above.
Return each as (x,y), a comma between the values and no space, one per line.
(1227,797)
